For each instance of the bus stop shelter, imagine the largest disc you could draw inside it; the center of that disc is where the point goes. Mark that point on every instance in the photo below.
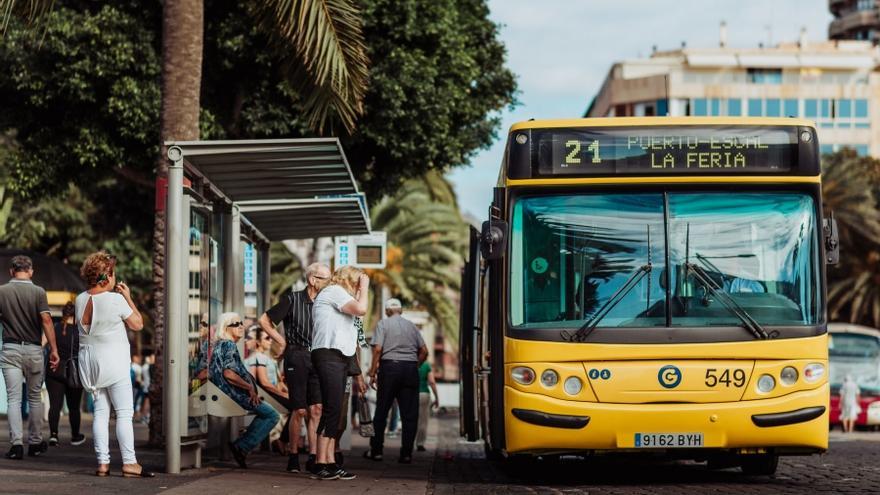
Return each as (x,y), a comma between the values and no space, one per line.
(225,201)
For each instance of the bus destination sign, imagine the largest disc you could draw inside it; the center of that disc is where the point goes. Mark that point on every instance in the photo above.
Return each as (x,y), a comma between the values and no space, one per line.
(668,150)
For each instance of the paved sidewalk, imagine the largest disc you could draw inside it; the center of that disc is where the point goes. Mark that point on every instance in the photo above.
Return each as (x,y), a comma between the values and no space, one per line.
(70,470)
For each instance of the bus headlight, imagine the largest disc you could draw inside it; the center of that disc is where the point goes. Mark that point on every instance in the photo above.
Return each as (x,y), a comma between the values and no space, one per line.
(523,375)
(549,378)
(788,376)
(572,385)
(766,383)
(814,372)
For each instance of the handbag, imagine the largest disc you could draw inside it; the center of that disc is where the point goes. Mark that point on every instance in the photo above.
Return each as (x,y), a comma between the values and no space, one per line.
(365,418)
(68,371)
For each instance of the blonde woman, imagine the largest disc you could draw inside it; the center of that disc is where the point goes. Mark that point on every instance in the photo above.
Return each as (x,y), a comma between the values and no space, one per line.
(102,313)
(334,343)
(230,374)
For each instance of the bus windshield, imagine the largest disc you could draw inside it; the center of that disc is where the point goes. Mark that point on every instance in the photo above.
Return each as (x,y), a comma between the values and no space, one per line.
(855,355)
(571,254)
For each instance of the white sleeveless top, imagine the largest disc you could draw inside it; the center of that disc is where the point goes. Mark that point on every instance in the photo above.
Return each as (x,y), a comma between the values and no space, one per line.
(104,351)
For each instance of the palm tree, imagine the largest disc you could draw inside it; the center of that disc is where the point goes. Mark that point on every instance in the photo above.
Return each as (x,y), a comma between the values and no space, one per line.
(851,190)
(426,243)
(321,46)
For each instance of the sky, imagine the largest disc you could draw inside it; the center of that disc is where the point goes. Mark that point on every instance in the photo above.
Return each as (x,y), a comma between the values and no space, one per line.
(561,51)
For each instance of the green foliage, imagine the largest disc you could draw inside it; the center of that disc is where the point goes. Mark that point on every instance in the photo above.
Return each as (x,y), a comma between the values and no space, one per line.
(851,190)
(284,271)
(323,53)
(58,226)
(426,243)
(436,82)
(83,97)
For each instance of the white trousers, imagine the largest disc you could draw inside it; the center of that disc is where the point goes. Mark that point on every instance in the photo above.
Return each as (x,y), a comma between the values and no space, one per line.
(120,396)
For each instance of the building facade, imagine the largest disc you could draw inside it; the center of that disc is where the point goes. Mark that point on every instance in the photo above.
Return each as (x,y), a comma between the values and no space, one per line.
(833,83)
(854,20)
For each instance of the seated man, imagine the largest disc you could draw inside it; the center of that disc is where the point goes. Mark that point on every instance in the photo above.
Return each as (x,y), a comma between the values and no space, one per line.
(229,374)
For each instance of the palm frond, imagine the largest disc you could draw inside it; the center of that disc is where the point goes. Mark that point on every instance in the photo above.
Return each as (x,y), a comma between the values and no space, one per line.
(325,55)
(30,10)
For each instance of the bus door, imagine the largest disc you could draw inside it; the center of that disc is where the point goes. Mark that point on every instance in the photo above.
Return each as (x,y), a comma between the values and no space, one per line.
(470,341)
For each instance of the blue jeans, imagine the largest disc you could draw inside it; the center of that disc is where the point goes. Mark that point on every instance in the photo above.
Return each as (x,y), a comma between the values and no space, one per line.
(259,428)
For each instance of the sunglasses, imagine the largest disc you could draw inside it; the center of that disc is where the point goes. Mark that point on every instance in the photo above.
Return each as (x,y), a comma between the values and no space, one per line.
(320,278)
(235,325)
(203,323)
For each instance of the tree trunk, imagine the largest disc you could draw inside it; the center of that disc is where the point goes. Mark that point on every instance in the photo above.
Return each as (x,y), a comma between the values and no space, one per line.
(182,42)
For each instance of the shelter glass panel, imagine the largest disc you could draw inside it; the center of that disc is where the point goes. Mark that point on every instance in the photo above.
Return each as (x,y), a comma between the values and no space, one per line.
(198,318)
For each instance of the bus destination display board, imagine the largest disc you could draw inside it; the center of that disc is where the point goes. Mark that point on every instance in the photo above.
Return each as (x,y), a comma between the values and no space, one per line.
(668,150)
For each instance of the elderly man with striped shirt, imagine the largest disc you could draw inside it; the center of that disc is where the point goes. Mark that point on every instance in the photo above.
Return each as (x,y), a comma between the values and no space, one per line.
(295,311)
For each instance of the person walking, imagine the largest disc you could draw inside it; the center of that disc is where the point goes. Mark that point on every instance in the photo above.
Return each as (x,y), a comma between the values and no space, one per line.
(334,344)
(398,348)
(294,309)
(849,403)
(426,380)
(24,315)
(58,384)
(229,373)
(103,312)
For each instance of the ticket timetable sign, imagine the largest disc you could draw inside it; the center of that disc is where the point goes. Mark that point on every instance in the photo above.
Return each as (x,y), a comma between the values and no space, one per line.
(691,150)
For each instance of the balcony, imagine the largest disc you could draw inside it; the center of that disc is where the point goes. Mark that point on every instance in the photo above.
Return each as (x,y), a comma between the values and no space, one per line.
(853,21)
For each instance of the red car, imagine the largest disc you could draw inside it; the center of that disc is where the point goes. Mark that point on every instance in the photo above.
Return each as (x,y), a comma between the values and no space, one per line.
(855,350)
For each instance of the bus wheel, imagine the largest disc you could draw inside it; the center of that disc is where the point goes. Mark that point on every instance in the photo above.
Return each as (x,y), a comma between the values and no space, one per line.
(759,465)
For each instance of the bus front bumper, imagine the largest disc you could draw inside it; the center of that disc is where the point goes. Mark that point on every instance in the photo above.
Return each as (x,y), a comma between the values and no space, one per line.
(538,424)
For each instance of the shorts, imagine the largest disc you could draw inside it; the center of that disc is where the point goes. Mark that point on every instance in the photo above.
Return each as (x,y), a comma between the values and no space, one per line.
(302,380)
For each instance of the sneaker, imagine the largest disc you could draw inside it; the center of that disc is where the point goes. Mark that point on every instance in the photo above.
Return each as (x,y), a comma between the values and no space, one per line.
(15,452)
(239,455)
(311,465)
(38,449)
(326,474)
(293,464)
(420,448)
(342,474)
(405,459)
(53,440)
(372,456)
(76,439)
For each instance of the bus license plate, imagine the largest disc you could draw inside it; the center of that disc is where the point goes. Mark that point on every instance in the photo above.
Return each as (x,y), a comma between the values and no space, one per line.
(668,440)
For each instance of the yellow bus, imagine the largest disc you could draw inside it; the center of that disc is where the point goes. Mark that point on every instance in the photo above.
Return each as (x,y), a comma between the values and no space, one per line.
(651,285)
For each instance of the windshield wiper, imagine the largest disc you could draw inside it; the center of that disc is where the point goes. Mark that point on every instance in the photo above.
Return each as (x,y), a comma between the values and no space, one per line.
(587,328)
(750,323)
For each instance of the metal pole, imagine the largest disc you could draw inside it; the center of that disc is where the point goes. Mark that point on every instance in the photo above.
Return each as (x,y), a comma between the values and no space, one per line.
(174,294)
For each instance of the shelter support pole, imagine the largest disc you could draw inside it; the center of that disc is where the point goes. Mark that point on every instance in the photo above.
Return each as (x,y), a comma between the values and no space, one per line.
(175,294)
(233,263)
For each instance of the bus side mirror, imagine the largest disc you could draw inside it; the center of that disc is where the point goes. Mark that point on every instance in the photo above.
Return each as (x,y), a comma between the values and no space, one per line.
(832,242)
(493,239)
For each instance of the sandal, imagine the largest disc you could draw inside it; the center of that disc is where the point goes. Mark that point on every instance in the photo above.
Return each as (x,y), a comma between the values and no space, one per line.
(143,473)
(103,473)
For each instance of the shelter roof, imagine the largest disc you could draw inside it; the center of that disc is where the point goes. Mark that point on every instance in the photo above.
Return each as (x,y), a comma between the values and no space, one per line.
(285,188)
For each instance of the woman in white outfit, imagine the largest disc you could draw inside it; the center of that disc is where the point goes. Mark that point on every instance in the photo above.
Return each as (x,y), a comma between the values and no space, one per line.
(102,314)
(849,403)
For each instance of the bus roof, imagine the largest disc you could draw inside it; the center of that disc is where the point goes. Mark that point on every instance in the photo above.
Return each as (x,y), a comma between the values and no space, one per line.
(660,122)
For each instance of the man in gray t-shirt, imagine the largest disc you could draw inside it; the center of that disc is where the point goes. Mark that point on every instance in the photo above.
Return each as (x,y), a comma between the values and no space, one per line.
(24,313)
(398,349)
